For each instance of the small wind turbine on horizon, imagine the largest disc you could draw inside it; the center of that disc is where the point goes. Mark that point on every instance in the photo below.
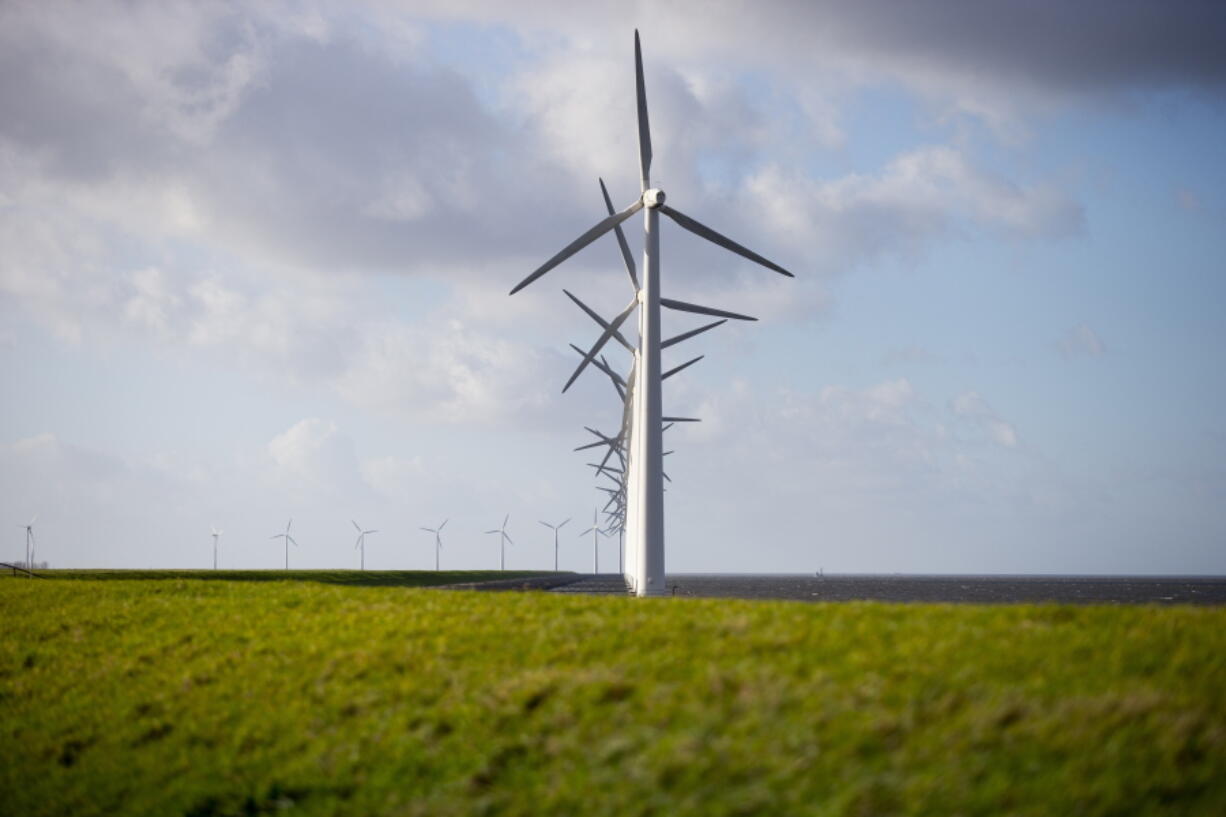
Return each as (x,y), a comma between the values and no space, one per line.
(596,534)
(29,526)
(288,540)
(216,535)
(503,538)
(555,529)
(438,540)
(361,543)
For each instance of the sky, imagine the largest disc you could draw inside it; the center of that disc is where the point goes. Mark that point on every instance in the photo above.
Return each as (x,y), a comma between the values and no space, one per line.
(254,265)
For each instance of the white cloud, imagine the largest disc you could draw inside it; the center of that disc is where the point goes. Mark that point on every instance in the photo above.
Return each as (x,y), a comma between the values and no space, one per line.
(981,416)
(1081,341)
(920,195)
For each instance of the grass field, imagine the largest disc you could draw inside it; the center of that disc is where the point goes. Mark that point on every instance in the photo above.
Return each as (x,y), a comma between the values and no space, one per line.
(184,697)
(365,578)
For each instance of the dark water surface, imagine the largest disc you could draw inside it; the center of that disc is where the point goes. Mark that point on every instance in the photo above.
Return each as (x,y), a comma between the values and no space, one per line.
(974,589)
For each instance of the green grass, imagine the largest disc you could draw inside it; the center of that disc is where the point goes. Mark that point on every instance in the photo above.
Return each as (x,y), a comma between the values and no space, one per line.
(189,697)
(367,578)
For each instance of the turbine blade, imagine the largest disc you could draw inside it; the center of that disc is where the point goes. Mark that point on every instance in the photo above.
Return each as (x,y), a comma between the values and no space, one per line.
(564,523)
(722,240)
(614,378)
(691,333)
(601,341)
(621,239)
(602,227)
(546,524)
(505,520)
(356,525)
(493,531)
(603,323)
(287,524)
(682,306)
(640,92)
(508,537)
(445,521)
(676,369)
(429,530)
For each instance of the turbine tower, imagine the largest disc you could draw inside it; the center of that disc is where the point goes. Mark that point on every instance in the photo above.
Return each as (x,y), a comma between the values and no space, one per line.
(29,526)
(555,529)
(289,540)
(438,541)
(503,538)
(642,481)
(361,543)
(596,534)
(216,535)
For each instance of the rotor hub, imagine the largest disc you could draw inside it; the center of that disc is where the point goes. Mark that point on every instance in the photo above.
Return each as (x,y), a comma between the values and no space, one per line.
(653,198)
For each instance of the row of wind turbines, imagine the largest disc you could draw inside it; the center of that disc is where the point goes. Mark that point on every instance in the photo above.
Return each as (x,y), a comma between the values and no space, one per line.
(636,494)
(504,539)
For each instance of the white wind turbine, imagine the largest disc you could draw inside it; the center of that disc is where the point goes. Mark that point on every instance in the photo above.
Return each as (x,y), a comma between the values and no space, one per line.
(289,540)
(29,526)
(644,482)
(503,538)
(596,534)
(216,535)
(361,543)
(555,529)
(438,540)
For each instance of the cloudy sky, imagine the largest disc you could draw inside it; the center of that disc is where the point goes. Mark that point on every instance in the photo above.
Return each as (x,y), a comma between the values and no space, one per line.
(254,263)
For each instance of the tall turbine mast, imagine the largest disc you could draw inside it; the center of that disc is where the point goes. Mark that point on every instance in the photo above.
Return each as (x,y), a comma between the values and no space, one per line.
(29,526)
(555,529)
(643,477)
(289,540)
(361,542)
(438,541)
(503,539)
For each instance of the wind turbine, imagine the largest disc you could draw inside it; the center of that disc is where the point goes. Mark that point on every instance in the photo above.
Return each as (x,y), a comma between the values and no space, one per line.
(216,535)
(555,529)
(288,540)
(438,540)
(596,534)
(361,543)
(30,541)
(645,480)
(503,538)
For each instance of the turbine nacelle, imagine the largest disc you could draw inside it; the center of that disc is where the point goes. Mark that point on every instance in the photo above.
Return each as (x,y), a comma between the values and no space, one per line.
(653,198)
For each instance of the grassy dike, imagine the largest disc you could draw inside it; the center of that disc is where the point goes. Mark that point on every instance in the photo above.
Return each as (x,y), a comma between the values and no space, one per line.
(185,697)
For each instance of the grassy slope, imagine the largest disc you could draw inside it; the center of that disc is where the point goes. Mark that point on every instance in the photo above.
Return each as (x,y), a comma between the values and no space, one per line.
(187,697)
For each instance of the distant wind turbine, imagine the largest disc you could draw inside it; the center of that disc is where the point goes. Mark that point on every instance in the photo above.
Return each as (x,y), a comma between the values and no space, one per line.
(555,529)
(503,538)
(596,534)
(361,543)
(216,535)
(438,540)
(289,540)
(30,541)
